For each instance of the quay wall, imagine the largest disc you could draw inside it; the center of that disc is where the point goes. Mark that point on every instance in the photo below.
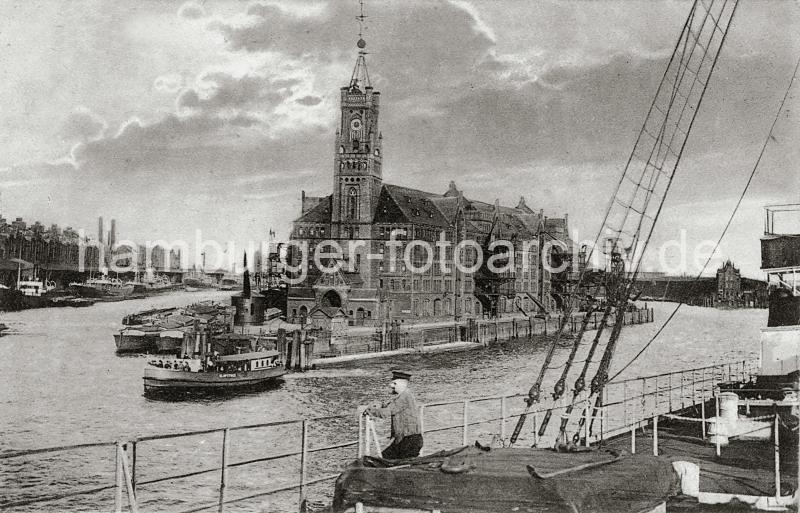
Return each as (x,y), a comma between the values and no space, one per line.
(483,332)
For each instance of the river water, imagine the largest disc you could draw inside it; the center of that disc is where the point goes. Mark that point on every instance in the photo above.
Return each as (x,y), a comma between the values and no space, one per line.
(62,383)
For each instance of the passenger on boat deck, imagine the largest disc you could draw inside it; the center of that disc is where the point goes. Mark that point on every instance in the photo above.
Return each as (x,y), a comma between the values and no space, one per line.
(167,365)
(160,364)
(406,429)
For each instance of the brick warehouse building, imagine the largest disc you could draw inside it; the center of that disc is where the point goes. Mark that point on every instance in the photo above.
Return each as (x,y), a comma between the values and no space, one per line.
(364,208)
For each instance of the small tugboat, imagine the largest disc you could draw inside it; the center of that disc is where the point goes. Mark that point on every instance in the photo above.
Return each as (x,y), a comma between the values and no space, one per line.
(216,373)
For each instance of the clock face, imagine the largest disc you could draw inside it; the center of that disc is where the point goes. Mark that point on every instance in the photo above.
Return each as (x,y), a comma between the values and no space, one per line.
(355,124)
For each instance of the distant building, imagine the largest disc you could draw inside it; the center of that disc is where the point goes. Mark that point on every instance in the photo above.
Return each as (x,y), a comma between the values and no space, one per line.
(36,252)
(729,285)
(364,208)
(727,289)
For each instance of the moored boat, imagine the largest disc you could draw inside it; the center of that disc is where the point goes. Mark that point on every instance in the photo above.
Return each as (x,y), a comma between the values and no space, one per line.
(137,339)
(102,288)
(216,374)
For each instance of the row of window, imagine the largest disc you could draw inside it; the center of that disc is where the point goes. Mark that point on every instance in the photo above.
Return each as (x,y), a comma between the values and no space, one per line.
(437,307)
(311,232)
(402,285)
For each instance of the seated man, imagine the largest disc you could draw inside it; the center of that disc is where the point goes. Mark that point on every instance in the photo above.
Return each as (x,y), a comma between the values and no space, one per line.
(406,430)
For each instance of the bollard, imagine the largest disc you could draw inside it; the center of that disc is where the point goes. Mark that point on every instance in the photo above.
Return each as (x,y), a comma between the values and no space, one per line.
(633,438)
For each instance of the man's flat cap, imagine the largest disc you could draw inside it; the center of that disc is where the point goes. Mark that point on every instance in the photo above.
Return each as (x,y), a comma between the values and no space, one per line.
(398,374)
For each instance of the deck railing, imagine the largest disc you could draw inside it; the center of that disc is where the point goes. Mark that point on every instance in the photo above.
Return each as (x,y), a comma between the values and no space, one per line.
(312,451)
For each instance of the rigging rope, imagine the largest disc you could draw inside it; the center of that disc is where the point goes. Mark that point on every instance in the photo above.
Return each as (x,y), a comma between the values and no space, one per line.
(601,377)
(727,225)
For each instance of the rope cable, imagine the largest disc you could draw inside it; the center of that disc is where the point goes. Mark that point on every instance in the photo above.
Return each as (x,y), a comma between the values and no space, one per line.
(727,225)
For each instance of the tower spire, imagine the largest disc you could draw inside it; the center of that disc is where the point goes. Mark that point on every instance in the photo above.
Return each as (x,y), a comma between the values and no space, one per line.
(360,78)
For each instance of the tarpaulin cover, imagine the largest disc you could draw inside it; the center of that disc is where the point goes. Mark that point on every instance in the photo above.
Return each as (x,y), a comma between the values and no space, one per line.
(471,480)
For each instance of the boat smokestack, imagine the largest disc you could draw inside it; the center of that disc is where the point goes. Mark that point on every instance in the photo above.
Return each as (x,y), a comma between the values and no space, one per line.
(246,285)
(100,229)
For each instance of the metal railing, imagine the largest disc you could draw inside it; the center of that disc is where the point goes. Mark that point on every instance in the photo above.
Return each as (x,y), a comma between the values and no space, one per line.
(627,403)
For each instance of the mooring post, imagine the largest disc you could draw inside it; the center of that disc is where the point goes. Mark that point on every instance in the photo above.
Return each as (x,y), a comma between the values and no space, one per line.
(655,435)
(119,484)
(633,438)
(303,463)
(223,477)
(777,460)
(465,432)
(422,419)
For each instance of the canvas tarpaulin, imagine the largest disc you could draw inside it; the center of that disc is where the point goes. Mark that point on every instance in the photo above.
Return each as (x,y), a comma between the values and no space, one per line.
(472,479)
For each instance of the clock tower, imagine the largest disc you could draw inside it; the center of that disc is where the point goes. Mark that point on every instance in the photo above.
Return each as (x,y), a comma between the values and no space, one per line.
(357,174)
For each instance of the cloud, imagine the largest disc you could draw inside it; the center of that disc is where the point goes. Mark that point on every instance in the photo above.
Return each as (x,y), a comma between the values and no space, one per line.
(170,83)
(81,125)
(191,11)
(309,100)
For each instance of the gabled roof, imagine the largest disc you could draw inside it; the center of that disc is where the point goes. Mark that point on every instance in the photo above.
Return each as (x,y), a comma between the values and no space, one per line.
(417,206)
(319,214)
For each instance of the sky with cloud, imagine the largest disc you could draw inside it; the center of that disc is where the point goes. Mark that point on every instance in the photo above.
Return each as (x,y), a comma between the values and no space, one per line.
(214,115)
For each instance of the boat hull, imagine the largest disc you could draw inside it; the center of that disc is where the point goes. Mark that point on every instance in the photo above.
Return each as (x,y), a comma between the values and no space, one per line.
(136,343)
(157,379)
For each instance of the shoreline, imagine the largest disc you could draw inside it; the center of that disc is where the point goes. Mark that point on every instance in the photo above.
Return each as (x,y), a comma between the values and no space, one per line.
(432,348)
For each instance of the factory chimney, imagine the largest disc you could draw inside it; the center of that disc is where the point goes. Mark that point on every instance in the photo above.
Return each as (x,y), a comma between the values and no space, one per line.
(100,229)
(112,235)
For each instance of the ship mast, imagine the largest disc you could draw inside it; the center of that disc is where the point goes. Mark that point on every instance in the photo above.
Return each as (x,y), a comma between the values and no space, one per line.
(636,204)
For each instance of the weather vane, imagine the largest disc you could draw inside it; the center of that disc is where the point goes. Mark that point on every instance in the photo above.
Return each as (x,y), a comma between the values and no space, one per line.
(361,43)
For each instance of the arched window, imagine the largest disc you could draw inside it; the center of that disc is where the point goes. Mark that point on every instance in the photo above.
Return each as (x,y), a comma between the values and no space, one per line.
(352,203)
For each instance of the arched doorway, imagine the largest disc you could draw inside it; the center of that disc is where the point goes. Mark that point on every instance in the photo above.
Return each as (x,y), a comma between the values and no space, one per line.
(303,314)
(437,307)
(331,298)
(478,308)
